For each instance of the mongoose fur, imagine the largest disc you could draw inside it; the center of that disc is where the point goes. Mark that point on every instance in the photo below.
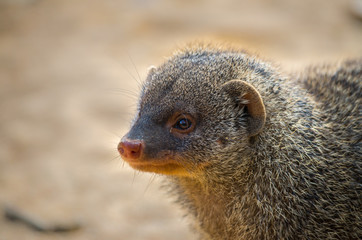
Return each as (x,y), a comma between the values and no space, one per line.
(252,154)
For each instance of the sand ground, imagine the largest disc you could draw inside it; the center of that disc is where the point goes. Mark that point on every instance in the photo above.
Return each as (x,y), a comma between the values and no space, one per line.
(69,78)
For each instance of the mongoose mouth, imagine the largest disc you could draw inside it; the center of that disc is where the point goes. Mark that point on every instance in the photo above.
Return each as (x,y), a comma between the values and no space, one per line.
(166,167)
(132,151)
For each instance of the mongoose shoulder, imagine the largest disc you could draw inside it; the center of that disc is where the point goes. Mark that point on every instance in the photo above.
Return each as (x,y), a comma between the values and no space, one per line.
(252,154)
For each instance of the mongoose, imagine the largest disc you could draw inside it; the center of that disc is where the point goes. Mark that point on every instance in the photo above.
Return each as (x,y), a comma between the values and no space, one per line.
(252,154)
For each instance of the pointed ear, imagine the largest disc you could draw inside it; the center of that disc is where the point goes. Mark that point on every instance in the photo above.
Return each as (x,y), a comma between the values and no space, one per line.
(242,90)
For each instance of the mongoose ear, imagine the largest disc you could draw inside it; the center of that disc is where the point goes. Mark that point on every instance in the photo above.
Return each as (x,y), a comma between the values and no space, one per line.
(151,69)
(255,107)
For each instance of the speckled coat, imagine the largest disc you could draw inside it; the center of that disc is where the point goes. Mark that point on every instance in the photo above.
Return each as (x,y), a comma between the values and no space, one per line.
(299,178)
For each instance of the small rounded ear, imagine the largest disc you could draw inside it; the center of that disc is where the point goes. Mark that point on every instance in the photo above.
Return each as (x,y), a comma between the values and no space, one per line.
(242,90)
(151,69)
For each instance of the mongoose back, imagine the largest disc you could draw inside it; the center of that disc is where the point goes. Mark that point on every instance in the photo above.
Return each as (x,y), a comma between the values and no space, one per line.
(252,154)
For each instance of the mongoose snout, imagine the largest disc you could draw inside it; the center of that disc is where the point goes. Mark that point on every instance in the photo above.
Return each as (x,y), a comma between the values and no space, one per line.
(151,144)
(130,150)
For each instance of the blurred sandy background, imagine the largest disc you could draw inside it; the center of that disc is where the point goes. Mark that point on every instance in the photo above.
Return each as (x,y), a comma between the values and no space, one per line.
(68,87)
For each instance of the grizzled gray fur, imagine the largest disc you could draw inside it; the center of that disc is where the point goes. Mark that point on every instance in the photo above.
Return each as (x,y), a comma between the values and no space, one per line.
(298,176)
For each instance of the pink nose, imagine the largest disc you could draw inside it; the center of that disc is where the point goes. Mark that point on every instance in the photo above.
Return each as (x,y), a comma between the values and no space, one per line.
(130,149)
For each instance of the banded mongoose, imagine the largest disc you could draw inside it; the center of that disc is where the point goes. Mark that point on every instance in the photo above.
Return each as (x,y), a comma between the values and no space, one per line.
(252,154)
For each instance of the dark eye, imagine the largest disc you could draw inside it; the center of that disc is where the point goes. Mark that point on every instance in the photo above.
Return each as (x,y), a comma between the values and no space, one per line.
(183,124)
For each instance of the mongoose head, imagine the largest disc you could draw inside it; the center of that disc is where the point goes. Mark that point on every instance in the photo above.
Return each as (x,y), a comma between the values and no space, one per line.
(196,110)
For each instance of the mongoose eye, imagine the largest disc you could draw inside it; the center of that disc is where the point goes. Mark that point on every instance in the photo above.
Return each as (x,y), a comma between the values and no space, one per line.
(183,124)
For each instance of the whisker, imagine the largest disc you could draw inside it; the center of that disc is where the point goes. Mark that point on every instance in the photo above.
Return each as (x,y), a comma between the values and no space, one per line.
(126,92)
(116,157)
(150,181)
(129,73)
(139,82)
